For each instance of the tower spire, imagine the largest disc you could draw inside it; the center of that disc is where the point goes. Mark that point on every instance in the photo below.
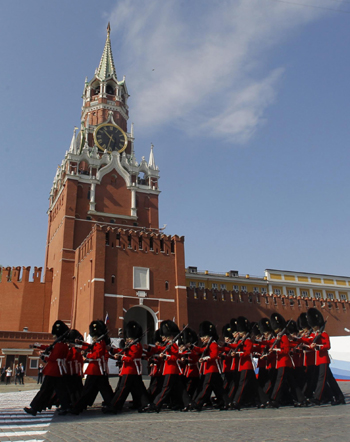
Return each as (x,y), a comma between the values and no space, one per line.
(151,162)
(106,67)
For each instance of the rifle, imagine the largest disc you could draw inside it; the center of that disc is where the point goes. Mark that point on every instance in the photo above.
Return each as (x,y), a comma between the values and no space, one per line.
(240,345)
(278,338)
(170,344)
(319,333)
(90,347)
(205,351)
(127,346)
(51,346)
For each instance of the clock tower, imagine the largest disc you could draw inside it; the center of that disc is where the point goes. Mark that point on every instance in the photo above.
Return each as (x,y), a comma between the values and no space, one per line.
(104,243)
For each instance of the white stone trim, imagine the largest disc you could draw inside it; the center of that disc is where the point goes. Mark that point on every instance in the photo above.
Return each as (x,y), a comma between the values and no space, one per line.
(98,280)
(107,295)
(113,215)
(180,287)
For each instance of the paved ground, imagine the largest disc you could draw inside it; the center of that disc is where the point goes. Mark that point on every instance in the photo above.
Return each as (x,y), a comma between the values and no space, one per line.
(248,425)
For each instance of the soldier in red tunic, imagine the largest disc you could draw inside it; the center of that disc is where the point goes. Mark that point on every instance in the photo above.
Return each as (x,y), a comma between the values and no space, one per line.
(54,356)
(210,368)
(171,381)
(130,380)
(97,369)
(283,364)
(326,385)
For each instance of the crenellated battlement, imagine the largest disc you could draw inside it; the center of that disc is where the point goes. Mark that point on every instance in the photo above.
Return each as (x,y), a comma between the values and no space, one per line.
(220,306)
(23,275)
(25,298)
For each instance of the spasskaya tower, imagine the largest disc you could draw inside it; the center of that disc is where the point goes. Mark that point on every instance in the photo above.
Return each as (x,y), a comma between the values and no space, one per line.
(104,244)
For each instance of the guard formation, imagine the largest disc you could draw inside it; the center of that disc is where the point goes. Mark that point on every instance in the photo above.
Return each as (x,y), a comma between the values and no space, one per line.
(270,364)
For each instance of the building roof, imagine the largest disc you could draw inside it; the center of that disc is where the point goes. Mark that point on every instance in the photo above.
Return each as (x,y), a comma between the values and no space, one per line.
(106,68)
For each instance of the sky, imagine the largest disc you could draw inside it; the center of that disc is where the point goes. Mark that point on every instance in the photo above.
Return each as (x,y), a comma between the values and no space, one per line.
(245,101)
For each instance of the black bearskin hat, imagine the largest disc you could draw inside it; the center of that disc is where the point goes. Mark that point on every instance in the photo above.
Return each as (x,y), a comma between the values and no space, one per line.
(207,328)
(157,336)
(227,331)
(243,325)
(292,327)
(265,325)
(255,330)
(97,328)
(59,328)
(133,330)
(233,325)
(277,321)
(315,317)
(74,335)
(169,328)
(302,322)
(189,336)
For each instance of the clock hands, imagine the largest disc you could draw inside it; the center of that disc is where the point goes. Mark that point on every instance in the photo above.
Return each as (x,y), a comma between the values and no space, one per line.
(110,138)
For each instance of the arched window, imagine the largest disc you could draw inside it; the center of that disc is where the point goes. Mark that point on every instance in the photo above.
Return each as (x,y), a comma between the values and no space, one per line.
(166,285)
(113,279)
(109,90)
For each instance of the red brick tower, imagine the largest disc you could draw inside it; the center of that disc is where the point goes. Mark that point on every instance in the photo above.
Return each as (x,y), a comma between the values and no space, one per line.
(104,243)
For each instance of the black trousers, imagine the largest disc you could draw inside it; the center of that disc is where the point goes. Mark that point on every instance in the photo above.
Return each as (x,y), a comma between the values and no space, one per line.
(210,382)
(248,388)
(232,387)
(155,387)
(93,385)
(50,386)
(75,387)
(334,387)
(270,381)
(172,384)
(192,385)
(130,383)
(310,381)
(286,375)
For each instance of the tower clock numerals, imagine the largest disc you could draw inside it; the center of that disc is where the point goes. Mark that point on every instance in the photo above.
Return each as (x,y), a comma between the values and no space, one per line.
(110,137)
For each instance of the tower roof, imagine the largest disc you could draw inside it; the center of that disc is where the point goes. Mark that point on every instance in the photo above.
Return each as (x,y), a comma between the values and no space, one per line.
(106,67)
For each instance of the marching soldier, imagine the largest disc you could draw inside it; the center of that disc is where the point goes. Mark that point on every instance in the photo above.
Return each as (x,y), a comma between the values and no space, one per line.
(97,369)
(210,369)
(54,356)
(130,380)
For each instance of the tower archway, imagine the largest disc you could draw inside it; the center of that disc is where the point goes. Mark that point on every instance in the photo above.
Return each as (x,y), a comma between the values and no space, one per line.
(146,318)
(148,321)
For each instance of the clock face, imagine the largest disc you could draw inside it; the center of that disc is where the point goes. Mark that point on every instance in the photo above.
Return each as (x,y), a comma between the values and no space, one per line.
(110,137)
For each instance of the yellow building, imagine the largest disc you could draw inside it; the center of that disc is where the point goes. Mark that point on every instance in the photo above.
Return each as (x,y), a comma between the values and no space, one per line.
(275,282)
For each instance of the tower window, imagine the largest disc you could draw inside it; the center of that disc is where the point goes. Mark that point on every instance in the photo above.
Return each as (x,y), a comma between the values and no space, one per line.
(129,241)
(113,279)
(107,239)
(109,90)
(140,242)
(162,245)
(172,246)
(166,285)
(151,243)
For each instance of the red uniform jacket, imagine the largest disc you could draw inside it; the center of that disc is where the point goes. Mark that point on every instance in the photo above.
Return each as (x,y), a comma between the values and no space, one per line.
(157,364)
(212,364)
(309,354)
(171,365)
(282,350)
(245,354)
(131,360)
(56,361)
(75,362)
(322,346)
(97,360)
(192,366)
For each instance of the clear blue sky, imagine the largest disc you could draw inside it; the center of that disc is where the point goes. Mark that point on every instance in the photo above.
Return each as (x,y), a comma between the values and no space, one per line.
(246,102)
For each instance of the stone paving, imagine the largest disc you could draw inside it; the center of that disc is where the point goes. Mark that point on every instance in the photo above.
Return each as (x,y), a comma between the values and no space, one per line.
(248,425)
